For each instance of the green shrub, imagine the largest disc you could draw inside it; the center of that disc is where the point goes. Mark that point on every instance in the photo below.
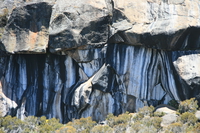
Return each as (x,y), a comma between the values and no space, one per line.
(2,131)
(120,128)
(82,124)
(138,117)
(102,129)
(188,106)
(197,128)
(148,130)
(31,123)
(121,119)
(173,103)
(136,126)
(12,124)
(189,118)
(146,111)
(47,125)
(42,120)
(66,129)
(156,121)
(158,114)
(174,128)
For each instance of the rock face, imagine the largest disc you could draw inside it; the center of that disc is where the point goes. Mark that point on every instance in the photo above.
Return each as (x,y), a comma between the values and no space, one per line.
(80,23)
(6,105)
(72,59)
(27,29)
(160,24)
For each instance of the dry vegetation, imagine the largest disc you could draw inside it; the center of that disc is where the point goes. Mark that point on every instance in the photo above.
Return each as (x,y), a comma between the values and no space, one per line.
(146,120)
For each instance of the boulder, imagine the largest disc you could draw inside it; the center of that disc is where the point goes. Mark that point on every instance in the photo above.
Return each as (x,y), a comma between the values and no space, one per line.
(165,109)
(27,29)
(168,119)
(80,23)
(197,114)
(105,79)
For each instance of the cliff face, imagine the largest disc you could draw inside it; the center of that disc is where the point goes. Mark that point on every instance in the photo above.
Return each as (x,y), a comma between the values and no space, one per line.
(72,59)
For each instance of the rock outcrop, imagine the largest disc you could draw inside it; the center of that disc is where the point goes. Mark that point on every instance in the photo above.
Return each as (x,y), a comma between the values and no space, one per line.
(80,23)
(72,59)
(159,24)
(27,29)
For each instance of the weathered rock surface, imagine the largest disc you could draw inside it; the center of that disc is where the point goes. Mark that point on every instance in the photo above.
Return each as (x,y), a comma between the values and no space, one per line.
(6,105)
(168,119)
(98,57)
(80,23)
(166,109)
(27,29)
(156,24)
(197,114)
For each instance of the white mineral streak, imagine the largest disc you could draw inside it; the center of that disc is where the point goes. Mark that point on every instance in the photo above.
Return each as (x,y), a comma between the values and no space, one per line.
(140,70)
(100,105)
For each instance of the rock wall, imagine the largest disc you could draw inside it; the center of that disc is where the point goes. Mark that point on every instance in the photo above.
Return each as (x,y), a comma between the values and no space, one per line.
(72,59)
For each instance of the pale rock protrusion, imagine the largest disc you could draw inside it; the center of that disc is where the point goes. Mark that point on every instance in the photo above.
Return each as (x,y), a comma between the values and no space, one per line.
(197,114)
(101,104)
(6,104)
(81,97)
(187,65)
(166,109)
(168,119)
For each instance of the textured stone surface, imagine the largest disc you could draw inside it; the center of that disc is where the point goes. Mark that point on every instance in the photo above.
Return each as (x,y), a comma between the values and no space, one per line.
(165,109)
(99,57)
(27,29)
(168,119)
(197,114)
(132,77)
(78,23)
(6,105)
(156,24)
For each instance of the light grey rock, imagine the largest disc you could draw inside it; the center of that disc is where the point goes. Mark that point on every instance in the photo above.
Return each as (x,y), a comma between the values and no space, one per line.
(81,97)
(166,109)
(168,119)
(156,24)
(197,114)
(186,64)
(90,60)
